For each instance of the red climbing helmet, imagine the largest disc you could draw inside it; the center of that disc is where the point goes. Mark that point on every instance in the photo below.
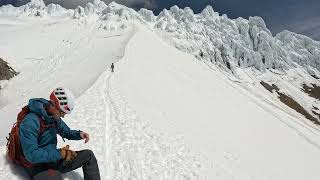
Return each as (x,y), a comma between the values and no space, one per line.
(63,99)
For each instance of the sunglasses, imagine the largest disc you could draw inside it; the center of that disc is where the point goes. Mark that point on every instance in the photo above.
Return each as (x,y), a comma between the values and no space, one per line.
(60,111)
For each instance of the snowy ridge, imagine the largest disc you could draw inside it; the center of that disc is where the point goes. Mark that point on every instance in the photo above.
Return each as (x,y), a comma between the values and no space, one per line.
(142,152)
(236,46)
(230,42)
(233,134)
(233,43)
(301,49)
(35,8)
(125,145)
(197,113)
(94,7)
(245,51)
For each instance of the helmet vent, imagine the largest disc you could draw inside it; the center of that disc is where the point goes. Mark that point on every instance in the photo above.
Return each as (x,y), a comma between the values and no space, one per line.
(63,103)
(59,93)
(62,98)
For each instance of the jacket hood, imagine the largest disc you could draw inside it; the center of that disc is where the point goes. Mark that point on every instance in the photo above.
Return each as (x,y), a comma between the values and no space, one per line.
(37,106)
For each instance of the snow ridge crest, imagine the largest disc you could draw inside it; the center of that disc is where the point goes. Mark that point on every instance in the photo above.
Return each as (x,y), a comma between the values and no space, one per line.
(218,39)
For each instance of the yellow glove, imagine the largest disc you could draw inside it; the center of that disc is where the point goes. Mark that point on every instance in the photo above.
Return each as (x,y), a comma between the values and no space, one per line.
(68,154)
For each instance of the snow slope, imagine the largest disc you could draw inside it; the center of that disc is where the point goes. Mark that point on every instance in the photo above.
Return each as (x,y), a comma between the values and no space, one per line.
(59,51)
(164,113)
(54,52)
(177,94)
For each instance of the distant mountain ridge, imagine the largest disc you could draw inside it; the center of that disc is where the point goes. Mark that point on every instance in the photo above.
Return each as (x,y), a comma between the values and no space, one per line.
(231,42)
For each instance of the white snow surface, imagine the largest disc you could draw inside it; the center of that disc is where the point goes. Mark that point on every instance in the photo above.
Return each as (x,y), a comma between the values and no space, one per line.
(166,112)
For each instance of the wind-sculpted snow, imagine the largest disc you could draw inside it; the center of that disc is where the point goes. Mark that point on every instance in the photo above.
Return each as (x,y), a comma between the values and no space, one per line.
(229,42)
(8,10)
(238,42)
(301,49)
(35,8)
(79,12)
(54,9)
(147,15)
(120,12)
(233,43)
(94,7)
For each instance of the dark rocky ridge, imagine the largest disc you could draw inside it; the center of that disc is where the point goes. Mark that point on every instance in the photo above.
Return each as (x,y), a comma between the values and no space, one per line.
(290,102)
(6,72)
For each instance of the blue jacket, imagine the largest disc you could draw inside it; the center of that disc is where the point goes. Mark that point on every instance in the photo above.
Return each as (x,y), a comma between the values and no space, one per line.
(42,148)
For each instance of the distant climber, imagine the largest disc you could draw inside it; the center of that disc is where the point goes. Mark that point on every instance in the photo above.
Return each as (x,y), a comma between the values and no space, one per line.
(32,142)
(201,54)
(112,67)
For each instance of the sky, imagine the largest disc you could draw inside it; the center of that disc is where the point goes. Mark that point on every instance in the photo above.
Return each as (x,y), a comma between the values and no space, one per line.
(302,17)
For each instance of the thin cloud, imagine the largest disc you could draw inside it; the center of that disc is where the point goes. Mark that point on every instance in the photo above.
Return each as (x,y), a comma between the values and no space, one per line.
(299,17)
(309,27)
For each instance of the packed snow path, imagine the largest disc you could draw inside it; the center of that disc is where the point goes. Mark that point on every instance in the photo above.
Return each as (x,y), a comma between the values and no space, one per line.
(125,146)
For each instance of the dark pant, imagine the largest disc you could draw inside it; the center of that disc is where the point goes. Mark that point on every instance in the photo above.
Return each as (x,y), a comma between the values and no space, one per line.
(84,159)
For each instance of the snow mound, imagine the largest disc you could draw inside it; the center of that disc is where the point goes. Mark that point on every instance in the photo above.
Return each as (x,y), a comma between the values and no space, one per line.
(56,9)
(301,49)
(93,7)
(8,10)
(147,15)
(35,8)
(116,16)
(79,12)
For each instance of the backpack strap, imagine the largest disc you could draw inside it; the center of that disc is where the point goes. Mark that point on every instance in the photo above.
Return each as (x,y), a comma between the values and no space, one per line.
(44,126)
(14,149)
